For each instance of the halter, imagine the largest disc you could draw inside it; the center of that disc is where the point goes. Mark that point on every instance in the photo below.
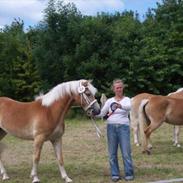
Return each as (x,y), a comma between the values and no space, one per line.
(81,91)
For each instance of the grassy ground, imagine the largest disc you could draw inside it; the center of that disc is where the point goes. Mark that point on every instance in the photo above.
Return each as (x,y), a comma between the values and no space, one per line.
(86,158)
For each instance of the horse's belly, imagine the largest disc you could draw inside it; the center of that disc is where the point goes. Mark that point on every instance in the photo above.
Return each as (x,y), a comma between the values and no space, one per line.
(26,134)
(175,119)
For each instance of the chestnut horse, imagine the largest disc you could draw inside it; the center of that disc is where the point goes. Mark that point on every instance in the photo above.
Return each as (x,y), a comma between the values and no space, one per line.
(43,119)
(134,116)
(156,110)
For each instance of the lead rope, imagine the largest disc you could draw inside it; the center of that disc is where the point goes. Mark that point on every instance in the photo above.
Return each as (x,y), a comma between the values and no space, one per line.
(98,132)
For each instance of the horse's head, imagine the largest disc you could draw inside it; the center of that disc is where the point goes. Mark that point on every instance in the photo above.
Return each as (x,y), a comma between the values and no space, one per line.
(86,98)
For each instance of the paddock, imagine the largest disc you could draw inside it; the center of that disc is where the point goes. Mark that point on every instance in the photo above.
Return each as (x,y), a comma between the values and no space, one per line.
(86,156)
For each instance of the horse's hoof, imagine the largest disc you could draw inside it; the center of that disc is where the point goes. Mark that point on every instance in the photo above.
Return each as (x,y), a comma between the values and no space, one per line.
(137,144)
(178,145)
(35,180)
(150,146)
(174,144)
(144,152)
(67,180)
(5,177)
(148,152)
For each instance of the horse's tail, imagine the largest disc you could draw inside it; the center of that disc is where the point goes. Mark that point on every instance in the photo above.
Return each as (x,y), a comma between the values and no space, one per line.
(143,123)
(133,115)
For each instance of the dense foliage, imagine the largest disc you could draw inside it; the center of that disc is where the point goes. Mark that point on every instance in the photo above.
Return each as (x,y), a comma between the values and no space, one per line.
(66,45)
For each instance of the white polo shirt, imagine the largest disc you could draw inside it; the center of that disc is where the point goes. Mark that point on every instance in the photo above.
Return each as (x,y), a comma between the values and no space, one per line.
(120,115)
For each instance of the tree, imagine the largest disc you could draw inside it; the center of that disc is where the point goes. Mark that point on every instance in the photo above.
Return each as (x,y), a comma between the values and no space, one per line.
(19,77)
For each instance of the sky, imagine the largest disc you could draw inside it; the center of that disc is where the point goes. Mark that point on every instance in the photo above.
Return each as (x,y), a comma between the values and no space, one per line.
(31,11)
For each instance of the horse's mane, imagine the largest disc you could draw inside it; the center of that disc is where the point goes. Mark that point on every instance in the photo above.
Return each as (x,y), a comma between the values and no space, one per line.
(177,91)
(63,89)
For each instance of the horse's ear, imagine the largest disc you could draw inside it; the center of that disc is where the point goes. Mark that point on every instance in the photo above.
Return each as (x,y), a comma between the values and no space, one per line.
(85,83)
(90,80)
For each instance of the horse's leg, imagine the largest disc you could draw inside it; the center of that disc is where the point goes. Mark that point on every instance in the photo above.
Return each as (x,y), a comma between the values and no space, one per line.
(149,144)
(152,127)
(135,126)
(38,143)
(2,169)
(57,145)
(174,136)
(136,135)
(176,131)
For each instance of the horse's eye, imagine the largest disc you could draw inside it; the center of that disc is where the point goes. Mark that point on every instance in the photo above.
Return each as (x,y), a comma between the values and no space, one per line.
(88,93)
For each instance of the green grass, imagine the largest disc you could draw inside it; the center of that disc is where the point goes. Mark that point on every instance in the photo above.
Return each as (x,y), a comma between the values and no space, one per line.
(86,159)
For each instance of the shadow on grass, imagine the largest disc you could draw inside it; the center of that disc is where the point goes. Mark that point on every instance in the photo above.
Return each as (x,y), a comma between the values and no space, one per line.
(50,173)
(165,147)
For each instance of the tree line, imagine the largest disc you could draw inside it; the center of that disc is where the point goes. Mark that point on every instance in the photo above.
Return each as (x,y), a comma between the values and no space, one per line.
(66,45)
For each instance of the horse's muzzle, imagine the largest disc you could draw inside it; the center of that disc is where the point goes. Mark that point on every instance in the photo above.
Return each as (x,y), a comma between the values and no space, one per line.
(94,109)
(95,112)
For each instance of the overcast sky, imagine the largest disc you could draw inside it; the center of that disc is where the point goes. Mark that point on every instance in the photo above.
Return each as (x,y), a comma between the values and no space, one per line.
(31,11)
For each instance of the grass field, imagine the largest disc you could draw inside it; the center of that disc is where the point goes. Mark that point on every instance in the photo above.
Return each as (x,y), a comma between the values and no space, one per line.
(86,158)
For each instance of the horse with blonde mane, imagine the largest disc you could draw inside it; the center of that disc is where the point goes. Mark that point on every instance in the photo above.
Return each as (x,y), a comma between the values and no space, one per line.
(134,116)
(156,110)
(43,119)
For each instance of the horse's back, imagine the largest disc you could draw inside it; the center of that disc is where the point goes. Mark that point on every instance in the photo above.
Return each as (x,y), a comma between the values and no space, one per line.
(158,102)
(166,108)
(8,105)
(138,98)
(5,104)
(9,101)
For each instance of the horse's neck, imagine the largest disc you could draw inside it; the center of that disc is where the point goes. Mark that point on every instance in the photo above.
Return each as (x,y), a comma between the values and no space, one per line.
(60,107)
